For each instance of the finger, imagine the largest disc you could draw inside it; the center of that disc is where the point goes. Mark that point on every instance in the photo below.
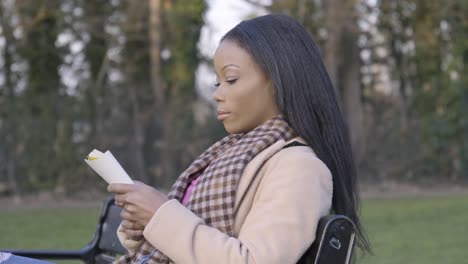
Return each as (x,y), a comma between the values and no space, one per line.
(120,188)
(127,224)
(131,225)
(129,208)
(125,215)
(134,234)
(120,199)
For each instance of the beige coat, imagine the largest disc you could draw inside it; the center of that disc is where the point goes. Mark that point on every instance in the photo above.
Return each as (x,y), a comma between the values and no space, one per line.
(275,222)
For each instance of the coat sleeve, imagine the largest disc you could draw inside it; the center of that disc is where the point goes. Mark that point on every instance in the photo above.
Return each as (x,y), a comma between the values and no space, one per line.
(296,190)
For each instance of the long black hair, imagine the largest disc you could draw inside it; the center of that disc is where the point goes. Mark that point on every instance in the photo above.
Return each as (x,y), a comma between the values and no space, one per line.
(305,97)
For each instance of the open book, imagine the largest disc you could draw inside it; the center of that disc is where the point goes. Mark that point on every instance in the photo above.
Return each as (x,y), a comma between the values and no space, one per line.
(107,167)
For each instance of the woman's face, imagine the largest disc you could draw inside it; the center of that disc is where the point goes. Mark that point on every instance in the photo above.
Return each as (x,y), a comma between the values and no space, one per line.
(244,95)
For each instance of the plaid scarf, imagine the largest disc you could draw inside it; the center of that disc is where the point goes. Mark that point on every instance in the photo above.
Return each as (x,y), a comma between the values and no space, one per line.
(221,167)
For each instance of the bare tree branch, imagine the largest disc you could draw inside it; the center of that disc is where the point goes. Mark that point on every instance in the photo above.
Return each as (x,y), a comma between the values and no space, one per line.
(256,4)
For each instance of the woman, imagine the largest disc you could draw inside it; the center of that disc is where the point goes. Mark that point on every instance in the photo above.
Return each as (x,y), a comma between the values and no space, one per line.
(257,195)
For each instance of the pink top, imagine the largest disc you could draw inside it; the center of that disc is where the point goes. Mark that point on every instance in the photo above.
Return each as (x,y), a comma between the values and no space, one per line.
(189,190)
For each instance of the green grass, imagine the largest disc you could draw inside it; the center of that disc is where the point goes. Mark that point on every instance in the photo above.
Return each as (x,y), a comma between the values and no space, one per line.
(417,231)
(67,229)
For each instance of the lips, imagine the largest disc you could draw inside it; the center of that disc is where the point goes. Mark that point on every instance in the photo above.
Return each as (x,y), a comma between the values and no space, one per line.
(222,115)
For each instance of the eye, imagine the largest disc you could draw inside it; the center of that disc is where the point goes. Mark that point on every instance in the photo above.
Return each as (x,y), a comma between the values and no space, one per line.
(217,84)
(232,81)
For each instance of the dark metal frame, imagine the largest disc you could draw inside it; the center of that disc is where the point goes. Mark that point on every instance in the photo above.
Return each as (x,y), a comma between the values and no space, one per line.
(102,248)
(334,242)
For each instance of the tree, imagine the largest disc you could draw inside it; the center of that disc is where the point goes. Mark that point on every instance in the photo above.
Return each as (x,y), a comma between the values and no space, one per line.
(10,105)
(40,26)
(163,41)
(336,31)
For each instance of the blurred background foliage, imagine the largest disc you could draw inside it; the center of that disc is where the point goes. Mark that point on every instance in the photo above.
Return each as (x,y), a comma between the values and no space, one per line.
(121,75)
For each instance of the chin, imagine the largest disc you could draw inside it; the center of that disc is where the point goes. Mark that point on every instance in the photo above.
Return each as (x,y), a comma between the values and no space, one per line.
(230,130)
(235,129)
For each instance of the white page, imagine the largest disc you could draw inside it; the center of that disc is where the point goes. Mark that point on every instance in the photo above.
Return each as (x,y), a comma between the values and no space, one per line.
(107,167)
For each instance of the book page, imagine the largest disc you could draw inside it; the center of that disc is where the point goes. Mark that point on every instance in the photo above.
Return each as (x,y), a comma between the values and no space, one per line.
(107,167)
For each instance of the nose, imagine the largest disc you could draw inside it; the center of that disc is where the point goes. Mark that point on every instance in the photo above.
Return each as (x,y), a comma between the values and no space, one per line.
(217,95)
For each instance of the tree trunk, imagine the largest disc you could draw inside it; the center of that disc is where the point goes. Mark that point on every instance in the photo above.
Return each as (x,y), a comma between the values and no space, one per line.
(341,57)
(154,31)
(138,139)
(350,83)
(96,56)
(11,105)
(139,117)
(162,109)
(333,23)
(301,10)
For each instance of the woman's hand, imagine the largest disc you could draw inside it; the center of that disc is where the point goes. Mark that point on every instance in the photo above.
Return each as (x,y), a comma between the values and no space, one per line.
(132,230)
(139,202)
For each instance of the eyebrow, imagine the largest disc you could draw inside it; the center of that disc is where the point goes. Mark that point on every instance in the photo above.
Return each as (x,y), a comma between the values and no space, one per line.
(227,65)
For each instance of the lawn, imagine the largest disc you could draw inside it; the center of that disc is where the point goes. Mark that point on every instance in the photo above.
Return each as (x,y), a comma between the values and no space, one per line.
(417,231)
(47,228)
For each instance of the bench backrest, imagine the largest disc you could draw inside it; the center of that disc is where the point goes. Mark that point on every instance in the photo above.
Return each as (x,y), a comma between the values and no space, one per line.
(334,241)
(333,244)
(109,241)
(105,241)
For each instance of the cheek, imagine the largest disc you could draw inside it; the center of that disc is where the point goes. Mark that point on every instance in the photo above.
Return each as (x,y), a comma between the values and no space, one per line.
(255,99)
(248,114)
(238,105)
(249,101)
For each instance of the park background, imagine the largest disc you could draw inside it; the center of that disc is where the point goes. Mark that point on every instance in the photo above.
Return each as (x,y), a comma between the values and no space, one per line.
(135,77)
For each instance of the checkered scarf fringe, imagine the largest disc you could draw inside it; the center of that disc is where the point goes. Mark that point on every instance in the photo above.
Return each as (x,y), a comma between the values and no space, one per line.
(221,166)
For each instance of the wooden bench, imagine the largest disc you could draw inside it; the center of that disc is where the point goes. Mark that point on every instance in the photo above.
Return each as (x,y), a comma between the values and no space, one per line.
(334,242)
